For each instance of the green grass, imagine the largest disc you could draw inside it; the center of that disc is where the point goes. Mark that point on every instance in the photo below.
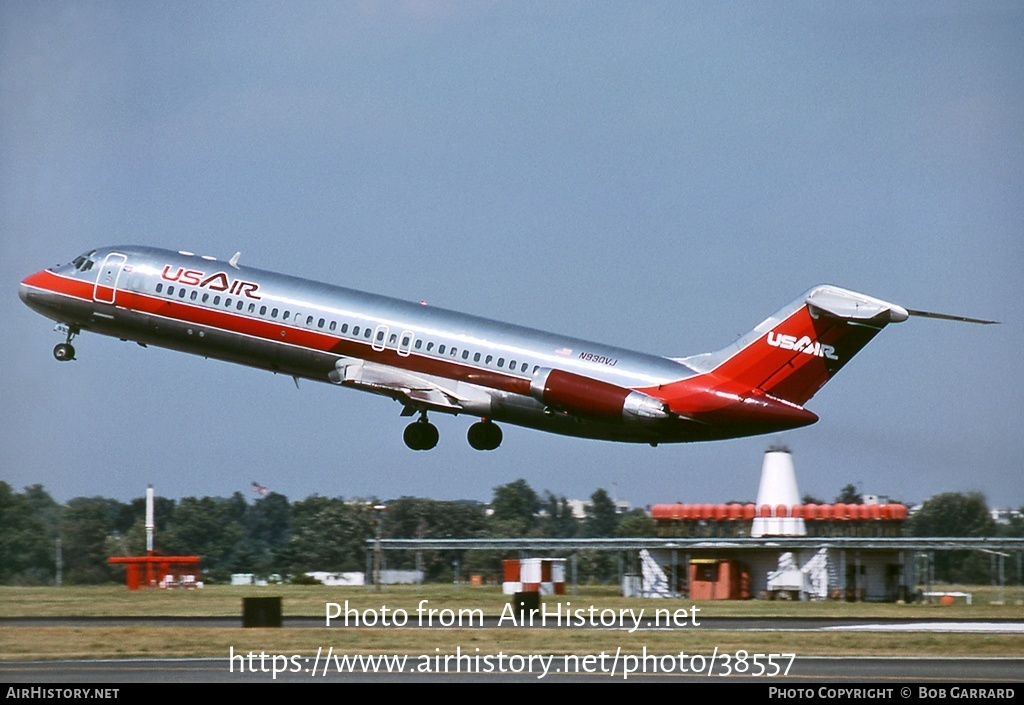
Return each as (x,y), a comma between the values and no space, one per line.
(310,601)
(44,643)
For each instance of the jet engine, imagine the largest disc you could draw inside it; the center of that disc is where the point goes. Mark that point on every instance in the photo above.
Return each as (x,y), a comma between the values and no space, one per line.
(586,396)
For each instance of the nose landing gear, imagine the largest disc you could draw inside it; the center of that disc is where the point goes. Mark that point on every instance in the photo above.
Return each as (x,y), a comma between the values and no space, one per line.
(66,351)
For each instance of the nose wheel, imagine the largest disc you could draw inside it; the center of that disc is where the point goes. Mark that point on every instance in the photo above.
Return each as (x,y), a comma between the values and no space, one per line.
(484,435)
(65,351)
(421,434)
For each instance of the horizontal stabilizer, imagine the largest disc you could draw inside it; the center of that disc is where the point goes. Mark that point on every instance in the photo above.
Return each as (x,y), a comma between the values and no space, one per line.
(950,317)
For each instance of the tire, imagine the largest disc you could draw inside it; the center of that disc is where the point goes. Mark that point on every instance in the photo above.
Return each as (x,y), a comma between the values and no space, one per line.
(421,435)
(484,435)
(64,352)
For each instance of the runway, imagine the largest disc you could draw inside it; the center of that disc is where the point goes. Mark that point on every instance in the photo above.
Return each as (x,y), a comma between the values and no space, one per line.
(441,666)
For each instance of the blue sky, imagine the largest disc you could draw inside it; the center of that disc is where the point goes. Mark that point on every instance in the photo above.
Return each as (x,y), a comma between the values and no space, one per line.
(660,176)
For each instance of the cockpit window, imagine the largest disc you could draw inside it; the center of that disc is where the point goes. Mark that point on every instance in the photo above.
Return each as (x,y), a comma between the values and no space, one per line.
(83,263)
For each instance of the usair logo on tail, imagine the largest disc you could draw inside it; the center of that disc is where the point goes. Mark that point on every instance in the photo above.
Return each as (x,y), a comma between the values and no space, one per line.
(804,345)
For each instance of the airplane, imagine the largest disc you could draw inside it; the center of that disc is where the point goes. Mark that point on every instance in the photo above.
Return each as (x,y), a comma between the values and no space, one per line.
(435,360)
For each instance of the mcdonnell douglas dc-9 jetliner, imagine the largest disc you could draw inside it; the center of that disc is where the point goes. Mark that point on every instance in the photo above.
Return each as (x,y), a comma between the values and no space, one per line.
(431,359)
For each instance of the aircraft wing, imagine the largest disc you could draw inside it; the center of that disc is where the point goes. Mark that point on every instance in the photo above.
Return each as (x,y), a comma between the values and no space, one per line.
(412,390)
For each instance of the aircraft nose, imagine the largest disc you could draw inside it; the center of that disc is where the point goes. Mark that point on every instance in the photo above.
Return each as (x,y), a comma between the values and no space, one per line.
(23,289)
(29,290)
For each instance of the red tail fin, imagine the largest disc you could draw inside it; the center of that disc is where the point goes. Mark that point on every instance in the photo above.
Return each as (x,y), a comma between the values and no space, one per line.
(760,383)
(798,356)
(792,354)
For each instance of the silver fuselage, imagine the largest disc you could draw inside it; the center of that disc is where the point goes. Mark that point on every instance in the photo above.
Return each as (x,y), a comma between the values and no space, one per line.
(427,358)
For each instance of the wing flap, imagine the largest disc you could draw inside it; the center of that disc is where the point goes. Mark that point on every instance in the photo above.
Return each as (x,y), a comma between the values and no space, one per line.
(410,389)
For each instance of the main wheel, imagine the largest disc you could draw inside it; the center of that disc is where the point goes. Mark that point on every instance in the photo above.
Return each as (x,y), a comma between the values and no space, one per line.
(421,435)
(64,352)
(484,435)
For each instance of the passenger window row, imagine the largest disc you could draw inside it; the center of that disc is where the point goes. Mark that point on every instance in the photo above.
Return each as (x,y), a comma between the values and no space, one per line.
(357,331)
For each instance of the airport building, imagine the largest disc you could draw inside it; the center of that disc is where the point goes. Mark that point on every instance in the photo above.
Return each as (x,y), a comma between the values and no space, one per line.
(815,569)
(774,548)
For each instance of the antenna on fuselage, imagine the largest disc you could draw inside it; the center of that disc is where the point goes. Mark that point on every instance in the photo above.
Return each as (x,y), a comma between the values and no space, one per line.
(234,260)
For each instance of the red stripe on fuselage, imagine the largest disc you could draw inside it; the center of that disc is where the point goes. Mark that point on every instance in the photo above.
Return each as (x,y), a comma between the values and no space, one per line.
(56,284)
(187,312)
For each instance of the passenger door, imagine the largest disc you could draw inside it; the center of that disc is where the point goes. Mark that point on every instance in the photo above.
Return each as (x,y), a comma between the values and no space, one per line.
(105,290)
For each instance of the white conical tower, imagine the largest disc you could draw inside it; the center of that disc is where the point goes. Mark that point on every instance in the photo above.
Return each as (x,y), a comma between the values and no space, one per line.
(149,520)
(778,487)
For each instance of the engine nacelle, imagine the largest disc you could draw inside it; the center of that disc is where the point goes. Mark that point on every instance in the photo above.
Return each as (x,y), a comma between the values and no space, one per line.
(585,396)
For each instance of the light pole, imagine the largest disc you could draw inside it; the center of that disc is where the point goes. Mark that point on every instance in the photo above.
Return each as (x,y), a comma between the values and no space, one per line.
(377,515)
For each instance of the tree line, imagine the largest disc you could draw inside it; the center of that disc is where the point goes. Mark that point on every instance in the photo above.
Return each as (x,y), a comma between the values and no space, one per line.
(271,535)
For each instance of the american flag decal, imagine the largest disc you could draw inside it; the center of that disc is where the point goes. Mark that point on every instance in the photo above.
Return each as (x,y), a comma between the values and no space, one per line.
(563,351)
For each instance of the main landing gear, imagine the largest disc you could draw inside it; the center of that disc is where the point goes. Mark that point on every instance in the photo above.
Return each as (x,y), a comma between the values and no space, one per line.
(423,435)
(484,435)
(66,351)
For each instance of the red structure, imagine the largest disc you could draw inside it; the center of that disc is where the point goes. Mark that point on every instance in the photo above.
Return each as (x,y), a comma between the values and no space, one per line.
(728,520)
(719,579)
(160,571)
